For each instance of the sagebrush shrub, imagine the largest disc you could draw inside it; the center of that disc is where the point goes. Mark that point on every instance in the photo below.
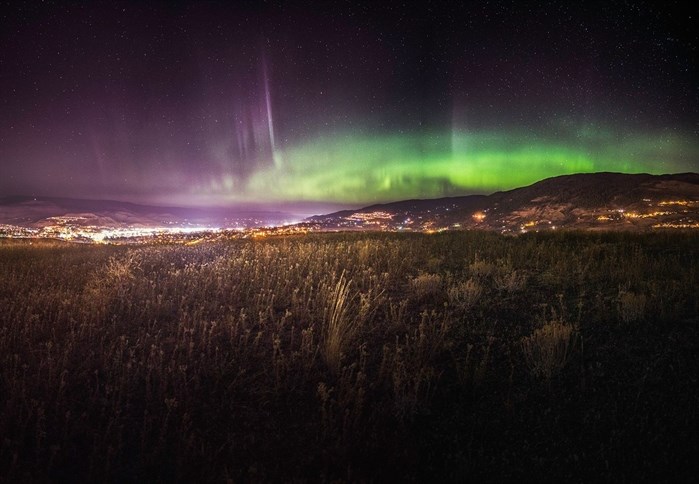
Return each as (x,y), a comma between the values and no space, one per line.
(632,306)
(464,294)
(426,285)
(548,349)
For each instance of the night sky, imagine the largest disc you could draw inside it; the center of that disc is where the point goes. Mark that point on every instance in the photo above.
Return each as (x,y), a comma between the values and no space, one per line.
(342,102)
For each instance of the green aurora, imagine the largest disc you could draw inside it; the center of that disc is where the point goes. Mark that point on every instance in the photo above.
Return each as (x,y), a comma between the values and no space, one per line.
(363,169)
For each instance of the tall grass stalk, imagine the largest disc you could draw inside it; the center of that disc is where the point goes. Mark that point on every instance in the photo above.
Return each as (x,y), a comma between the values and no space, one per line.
(340,327)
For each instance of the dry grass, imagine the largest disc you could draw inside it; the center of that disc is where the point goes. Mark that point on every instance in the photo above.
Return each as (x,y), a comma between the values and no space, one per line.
(337,357)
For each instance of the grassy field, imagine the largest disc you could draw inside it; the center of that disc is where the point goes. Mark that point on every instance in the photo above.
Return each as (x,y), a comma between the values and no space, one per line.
(349,357)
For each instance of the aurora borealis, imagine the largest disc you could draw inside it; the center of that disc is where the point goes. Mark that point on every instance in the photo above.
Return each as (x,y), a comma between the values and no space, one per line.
(206,103)
(399,167)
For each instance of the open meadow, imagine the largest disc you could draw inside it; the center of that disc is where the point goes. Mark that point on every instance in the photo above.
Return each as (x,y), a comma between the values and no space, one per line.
(348,357)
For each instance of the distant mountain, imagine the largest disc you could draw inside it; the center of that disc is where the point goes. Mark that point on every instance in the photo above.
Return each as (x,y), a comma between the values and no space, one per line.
(40,212)
(596,201)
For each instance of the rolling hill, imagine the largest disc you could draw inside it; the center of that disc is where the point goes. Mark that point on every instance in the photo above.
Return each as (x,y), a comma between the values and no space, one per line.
(597,201)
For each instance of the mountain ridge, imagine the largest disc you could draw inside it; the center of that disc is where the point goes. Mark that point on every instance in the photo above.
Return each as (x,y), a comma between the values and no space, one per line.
(604,200)
(594,201)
